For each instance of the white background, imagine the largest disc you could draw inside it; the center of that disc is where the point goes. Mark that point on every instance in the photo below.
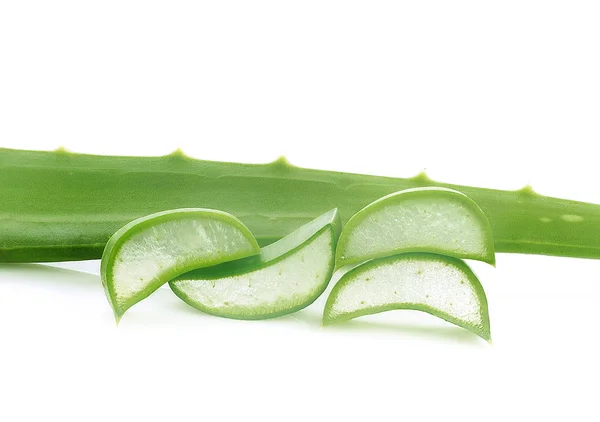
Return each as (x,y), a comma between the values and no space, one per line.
(491,94)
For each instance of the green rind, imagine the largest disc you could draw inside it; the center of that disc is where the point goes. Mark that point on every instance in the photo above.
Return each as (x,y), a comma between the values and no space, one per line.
(410,194)
(61,206)
(303,234)
(483,331)
(268,315)
(122,235)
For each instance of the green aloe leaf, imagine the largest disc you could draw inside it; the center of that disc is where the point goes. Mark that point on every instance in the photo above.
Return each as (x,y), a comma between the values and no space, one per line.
(60,206)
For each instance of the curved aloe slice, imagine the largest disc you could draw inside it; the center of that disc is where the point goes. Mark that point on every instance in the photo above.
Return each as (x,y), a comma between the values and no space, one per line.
(289,275)
(439,285)
(431,219)
(148,252)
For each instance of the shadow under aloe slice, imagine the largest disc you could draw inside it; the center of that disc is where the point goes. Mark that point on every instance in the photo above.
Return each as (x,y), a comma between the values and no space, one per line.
(287,276)
(148,252)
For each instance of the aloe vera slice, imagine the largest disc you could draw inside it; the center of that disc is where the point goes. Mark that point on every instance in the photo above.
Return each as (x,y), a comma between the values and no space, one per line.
(288,275)
(149,251)
(439,285)
(430,219)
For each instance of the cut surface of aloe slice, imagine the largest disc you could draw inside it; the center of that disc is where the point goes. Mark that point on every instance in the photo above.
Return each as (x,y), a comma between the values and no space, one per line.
(439,285)
(287,276)
(150,251)
(432,219)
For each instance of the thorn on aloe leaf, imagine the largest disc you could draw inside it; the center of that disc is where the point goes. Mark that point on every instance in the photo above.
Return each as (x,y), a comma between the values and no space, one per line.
(281,163)
(178,153)
(527,190)
(422,178)
(62,150)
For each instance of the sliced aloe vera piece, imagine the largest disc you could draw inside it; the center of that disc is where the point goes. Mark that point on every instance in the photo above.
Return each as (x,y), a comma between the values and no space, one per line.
(288,275)
(432,219)
(149,251)
(439,285)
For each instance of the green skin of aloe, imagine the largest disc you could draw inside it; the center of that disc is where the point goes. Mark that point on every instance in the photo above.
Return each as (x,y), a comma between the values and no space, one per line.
(59,206)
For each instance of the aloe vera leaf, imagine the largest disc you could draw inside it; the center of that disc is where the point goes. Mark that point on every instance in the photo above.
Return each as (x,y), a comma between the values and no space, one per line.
(59,206)
(437,220)
(287,276)
(439,285)
(148,252)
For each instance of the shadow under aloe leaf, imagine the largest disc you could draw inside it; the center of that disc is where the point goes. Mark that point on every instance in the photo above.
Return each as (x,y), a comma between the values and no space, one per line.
(448,332)
(40,273)
(73,279)
(311,318)
(181,306)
